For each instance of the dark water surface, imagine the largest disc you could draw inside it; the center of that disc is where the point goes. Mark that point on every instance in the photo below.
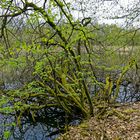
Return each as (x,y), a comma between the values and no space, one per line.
(43,129)
(52,123)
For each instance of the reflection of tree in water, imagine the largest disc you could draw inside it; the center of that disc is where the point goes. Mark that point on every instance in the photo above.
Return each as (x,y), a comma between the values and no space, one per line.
(49,124)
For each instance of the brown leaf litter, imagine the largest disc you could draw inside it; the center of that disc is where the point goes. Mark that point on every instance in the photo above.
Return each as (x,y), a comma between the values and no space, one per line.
(123,126)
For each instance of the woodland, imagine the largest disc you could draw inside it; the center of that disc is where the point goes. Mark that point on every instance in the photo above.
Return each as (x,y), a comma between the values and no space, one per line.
(60,64)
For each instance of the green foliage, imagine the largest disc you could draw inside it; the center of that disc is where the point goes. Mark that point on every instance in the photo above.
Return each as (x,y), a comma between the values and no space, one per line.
(7,134)
(58,63)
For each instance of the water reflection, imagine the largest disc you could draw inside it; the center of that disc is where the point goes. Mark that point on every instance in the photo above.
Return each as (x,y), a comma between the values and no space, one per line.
(37,131)
(128,94)
(49,124)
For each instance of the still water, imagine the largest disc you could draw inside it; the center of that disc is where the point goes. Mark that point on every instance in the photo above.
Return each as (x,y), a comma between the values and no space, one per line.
(50,126)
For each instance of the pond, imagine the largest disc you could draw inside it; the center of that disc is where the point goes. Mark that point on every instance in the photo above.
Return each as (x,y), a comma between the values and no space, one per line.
(51,122)
(45,128)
